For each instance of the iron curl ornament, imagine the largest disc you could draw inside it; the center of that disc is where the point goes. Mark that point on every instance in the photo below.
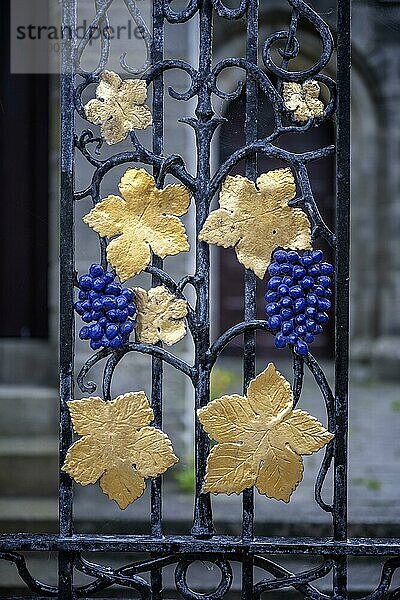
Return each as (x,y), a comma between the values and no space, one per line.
(145,214)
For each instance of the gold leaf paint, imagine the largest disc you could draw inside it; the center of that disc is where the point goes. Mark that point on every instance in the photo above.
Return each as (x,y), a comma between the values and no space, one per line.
(118,446)
(302,100)
(261,439)
(256,219)
(144,219)
(119,107)
(160,316)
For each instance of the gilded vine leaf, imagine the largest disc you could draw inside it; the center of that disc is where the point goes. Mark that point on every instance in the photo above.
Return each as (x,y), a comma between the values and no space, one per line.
(302,100)
(261,439)
(160,316)
(256,219)
(118,446)
(119,107)
(144,219)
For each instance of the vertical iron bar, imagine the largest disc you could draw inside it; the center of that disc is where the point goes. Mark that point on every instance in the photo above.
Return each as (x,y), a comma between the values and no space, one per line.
(204,128)
(249,359)
(157,54)
(342,287)
(66,290)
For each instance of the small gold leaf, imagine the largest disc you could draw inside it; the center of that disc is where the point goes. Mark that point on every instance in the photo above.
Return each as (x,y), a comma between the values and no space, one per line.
(119,107)
(118,446)
(144,219)
(160,316)
(302,100)
(260,439)
(256,219)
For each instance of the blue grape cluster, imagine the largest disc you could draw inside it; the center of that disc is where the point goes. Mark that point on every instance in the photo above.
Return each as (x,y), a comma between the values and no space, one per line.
(108,306)
(298,296)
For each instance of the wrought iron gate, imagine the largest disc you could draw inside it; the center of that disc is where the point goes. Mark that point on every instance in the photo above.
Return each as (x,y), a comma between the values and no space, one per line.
(289,92)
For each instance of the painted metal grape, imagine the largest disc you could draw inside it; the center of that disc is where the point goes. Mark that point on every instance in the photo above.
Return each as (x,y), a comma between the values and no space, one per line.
(298,296)
(106,307)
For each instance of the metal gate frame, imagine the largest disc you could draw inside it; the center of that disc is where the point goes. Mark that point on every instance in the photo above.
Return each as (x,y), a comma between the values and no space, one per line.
(202,543)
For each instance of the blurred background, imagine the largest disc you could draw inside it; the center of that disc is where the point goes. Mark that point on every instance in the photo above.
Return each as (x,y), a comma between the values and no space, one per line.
(29,169)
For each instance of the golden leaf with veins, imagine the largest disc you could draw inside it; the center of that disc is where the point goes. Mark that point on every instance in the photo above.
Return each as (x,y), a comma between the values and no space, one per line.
(256,219)
(260,439)
(144,219)
(119,107)
(160,316)
(118,446)
(302,100)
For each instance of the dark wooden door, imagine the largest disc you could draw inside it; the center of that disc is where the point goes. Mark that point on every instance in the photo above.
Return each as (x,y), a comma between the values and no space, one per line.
(24,190)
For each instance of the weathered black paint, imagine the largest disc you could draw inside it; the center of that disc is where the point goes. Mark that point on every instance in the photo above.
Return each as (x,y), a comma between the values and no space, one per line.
(202,543)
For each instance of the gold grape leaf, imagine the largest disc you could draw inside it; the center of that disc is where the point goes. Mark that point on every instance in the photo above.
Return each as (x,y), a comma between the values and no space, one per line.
(118,447)
(260,439)
(144,219)
(119,107)
(302,100)
(255,219)
(160,316)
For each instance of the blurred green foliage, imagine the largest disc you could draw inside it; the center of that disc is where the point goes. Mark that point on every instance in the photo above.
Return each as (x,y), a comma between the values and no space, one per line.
(223,381)
(185,476)
(373,485)
(396,405)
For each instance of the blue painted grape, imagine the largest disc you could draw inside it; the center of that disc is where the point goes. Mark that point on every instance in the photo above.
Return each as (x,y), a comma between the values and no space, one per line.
(298,296)
(106,307)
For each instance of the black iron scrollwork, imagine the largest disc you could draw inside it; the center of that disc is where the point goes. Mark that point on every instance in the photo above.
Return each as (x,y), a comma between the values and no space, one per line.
(33,584)
(266,80)
(203,84)
(260,78)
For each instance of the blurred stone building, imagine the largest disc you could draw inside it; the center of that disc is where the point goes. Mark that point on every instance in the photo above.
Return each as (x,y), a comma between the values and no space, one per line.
(30,236)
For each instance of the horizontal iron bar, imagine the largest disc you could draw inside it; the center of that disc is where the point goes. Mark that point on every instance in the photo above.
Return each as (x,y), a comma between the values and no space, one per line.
(218,544)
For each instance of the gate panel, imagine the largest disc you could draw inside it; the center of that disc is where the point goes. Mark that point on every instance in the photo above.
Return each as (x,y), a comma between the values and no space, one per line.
(261,435)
